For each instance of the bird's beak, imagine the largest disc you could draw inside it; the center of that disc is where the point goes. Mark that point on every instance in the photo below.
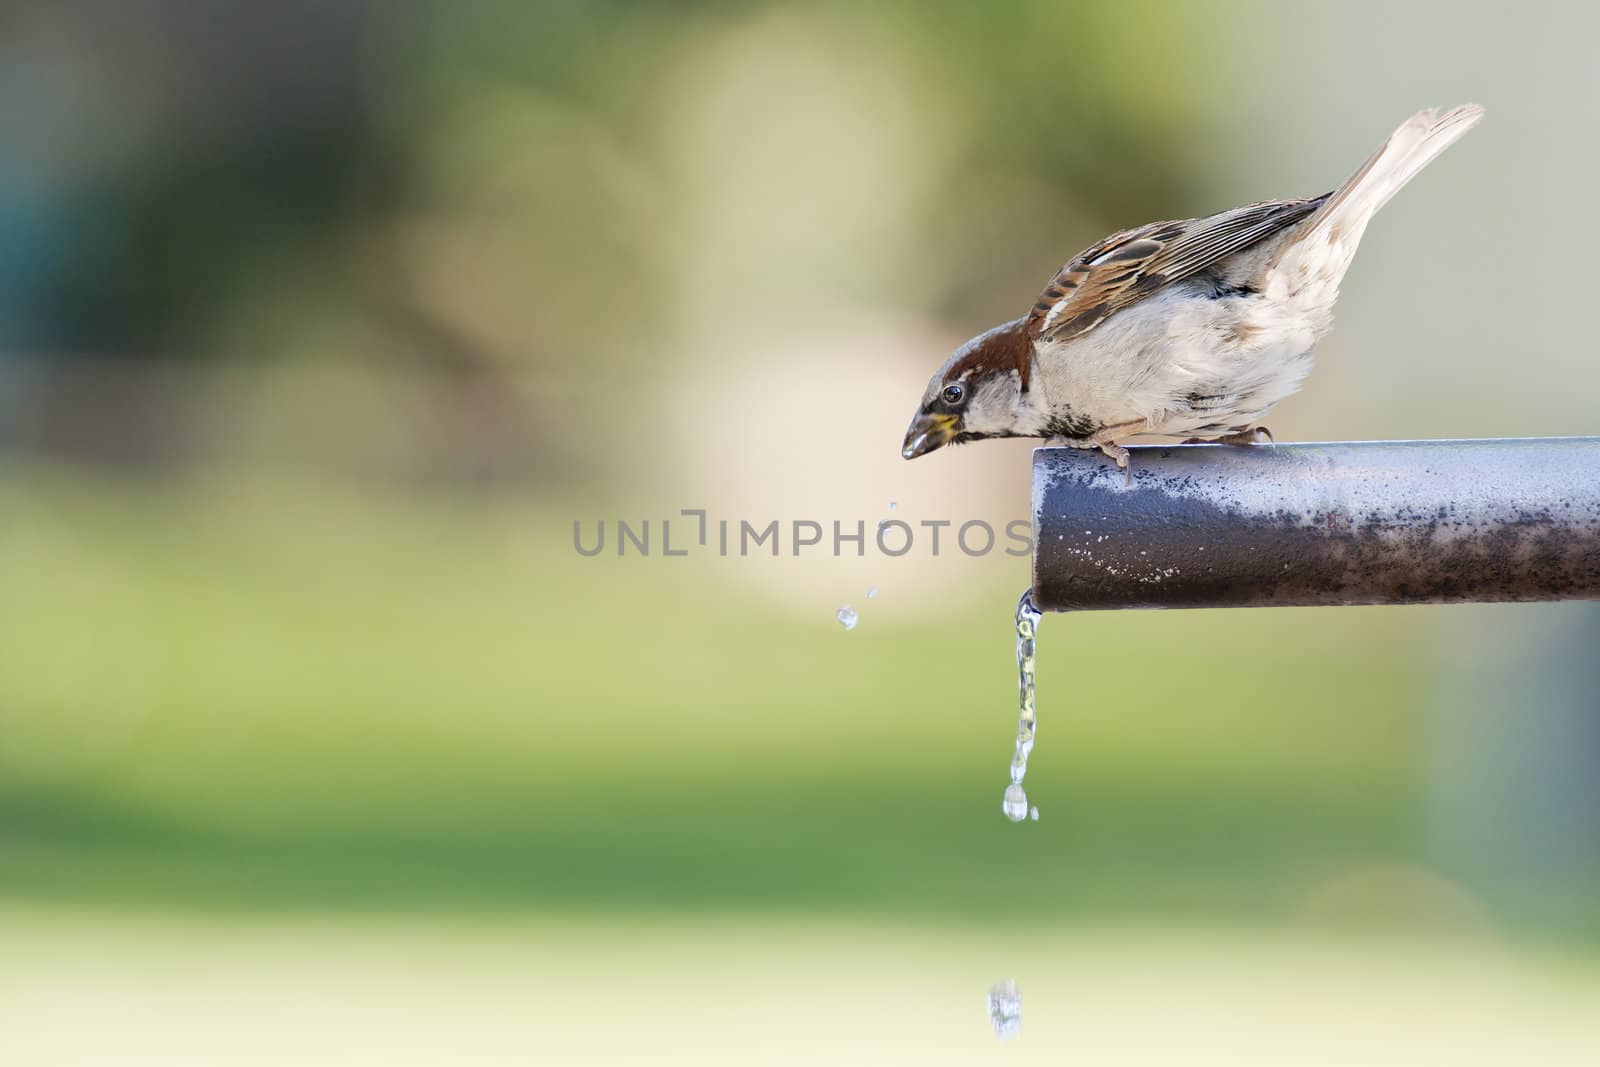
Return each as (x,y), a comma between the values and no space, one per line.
(928,432)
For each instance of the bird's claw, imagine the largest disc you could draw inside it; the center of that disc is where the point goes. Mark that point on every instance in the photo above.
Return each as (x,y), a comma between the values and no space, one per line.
(1121,458)
(1249,436)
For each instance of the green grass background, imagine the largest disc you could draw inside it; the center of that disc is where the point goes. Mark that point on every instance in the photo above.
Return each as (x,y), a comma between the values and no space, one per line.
(252,693)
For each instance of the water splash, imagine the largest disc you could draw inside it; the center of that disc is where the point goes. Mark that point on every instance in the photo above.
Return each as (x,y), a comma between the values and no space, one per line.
(847,617)
(1005,1009)
(1015,803)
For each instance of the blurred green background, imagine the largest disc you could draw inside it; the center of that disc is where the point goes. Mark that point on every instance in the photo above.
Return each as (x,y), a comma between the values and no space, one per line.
(321,325)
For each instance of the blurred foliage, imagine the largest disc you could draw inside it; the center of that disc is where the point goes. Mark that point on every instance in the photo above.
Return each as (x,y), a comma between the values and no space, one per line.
(512,175)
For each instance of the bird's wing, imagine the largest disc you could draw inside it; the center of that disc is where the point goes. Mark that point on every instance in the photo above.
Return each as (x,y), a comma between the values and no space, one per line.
(1128,266)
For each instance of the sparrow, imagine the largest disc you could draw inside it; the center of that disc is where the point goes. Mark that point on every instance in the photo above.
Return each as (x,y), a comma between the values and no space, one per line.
(1191,328)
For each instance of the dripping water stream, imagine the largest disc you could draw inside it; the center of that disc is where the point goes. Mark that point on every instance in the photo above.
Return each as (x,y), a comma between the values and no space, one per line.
(1005,1002)
(1015,802)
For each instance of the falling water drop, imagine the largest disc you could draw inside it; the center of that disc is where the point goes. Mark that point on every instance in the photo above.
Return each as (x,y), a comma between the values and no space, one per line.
(1033,813)
(1005,1009)
(872,592)
(892,505)
(1015,804)
(847,617)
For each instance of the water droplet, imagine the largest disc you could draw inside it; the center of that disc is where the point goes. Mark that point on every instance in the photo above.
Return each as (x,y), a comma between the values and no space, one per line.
(1015,804)
(1005,1010)
(892,505)
(872,592)
(847,617)
(1033,813)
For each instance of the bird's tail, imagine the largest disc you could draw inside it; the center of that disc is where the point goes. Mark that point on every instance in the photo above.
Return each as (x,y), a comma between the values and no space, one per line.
(1417,142)
(1325,242)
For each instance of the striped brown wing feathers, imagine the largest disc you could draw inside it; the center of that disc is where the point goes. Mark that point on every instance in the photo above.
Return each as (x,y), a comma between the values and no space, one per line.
(1128,266)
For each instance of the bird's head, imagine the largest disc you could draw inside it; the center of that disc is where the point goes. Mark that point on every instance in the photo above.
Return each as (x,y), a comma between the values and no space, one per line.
(981,391)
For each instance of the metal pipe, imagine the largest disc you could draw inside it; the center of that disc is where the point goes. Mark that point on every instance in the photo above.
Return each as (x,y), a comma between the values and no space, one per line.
(1376,522)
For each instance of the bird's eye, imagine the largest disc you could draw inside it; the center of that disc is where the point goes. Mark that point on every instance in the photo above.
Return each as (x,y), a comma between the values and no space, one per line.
(952,394)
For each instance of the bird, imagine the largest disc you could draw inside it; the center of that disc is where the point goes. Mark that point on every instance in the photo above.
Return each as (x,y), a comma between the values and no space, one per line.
(1190,328)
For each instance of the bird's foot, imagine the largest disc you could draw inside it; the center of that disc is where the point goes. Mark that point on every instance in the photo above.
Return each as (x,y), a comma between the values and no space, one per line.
(1251,435)
(1120,457)
(1105,441)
